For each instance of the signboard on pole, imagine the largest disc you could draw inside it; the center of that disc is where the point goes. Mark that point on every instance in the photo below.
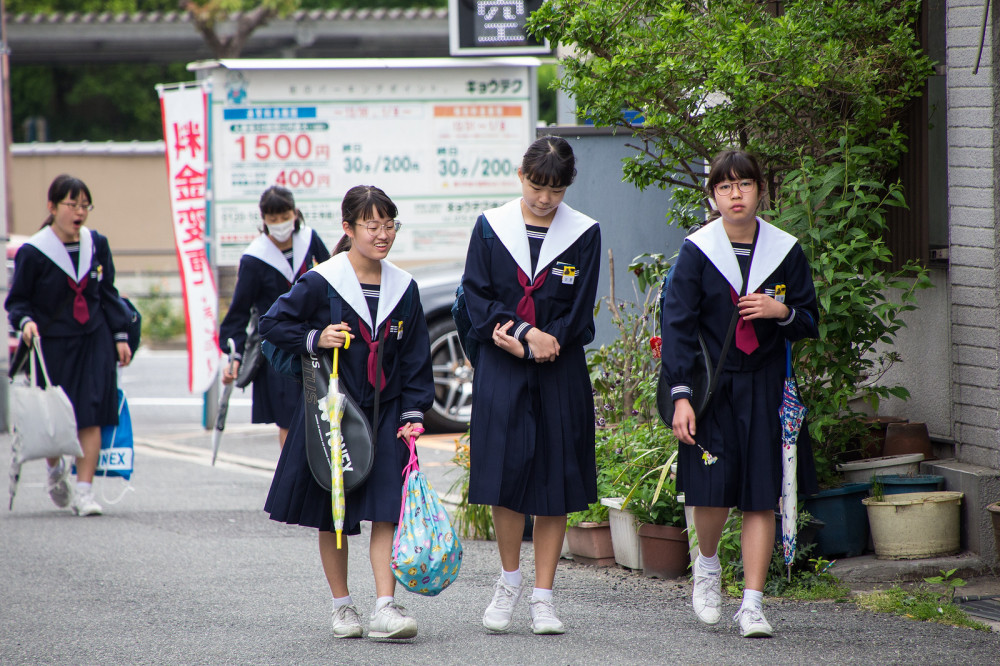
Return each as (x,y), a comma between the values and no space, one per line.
(493,27)
(442,137)
(184,131)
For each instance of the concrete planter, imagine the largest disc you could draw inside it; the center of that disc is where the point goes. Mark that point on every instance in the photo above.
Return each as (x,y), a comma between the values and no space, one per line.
(862,471)
(912,526)
(624,534)
(994,510)
(590,543)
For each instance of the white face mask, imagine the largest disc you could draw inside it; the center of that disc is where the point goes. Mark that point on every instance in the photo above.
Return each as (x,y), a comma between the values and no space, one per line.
(281,232)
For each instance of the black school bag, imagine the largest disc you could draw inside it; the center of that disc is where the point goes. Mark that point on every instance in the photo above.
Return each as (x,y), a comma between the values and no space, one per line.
(460,312)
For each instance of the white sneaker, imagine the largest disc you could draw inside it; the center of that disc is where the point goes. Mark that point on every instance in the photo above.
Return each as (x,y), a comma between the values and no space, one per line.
(752,623)
(543,617)
(59,489)
(500,613)
(347,622)
(390,622)
(707,594)
(84,504)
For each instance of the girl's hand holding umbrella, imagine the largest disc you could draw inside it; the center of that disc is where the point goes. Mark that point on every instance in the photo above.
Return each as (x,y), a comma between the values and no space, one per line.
(334,336)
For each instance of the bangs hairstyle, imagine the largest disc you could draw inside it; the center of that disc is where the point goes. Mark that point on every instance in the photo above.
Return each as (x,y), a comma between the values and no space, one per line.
(733,165)
(550,162)
(359,201)
(66,186)
(277,200)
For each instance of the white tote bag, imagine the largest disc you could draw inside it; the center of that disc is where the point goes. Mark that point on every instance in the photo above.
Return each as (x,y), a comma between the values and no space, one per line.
(44,422)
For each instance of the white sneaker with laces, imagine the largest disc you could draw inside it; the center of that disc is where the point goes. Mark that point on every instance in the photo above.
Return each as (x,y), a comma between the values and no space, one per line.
(500,613)
(707,594)
(543,617)
(347,622)
(752,623)
(84,504)
(390,622)
(59,488)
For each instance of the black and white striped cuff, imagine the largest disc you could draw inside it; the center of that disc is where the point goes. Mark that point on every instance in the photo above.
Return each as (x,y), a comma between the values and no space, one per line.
(681,391)
(310,341)
(412,416)
(522,330)
(121,337)
(24,321)
(527,351)
(791,317)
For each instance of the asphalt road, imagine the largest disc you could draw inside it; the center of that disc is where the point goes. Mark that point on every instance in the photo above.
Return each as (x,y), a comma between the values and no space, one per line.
(187,569)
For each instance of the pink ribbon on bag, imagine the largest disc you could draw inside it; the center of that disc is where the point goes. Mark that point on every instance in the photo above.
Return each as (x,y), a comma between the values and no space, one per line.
(526,306)
(412,466)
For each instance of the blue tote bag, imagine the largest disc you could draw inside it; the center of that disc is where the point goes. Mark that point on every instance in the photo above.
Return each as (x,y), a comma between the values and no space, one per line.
(116,444)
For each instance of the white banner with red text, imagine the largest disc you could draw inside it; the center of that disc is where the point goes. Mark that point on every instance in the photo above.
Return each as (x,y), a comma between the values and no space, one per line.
(185,132)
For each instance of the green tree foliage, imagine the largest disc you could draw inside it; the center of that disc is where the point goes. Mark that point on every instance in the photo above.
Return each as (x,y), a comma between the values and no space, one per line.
(816,93)
(727,72)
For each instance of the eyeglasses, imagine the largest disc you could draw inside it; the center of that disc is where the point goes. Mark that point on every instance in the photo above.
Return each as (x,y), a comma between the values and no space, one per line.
(745,185)
(390,227)
(77,206)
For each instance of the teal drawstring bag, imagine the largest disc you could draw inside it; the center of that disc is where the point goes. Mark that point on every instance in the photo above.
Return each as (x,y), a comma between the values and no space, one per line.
(426,552)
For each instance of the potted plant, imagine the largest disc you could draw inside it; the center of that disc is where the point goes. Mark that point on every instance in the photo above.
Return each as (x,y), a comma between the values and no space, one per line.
(909,526)
(588,534)
(663,538)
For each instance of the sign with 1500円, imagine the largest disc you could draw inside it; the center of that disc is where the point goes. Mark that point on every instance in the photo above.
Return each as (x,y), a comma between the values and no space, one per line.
(443,139)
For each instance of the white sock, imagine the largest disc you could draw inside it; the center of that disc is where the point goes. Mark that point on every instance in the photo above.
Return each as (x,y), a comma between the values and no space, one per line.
(541,594)
(82,487)
(342,601)
(752,599)
(512,577)
(709,564)
(382,602)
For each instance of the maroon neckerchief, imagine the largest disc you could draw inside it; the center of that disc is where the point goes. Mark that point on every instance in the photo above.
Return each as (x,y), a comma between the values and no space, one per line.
(80,310)
(373,354)
(526,306)
(746,336)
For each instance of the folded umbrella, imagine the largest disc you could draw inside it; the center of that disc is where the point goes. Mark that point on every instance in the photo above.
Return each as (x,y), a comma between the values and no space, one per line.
(791,415)
(220,419)
(335,409)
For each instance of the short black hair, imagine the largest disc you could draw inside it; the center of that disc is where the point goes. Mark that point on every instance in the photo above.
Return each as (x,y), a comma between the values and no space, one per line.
(549,161)
(733,164)
(64,186)
(277,200)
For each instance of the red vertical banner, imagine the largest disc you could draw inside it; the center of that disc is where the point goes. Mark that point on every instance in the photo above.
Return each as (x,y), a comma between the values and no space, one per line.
(185,132)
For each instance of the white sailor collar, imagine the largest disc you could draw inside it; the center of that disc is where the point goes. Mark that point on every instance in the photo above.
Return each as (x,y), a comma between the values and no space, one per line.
(49,244)
(773,245)
(508,225)
(264,249)
(337,271)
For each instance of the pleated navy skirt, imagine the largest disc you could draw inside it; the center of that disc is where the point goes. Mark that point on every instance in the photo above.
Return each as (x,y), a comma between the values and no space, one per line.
(295,497)
(275,397)
(532,434)
(741,427)
(84,366)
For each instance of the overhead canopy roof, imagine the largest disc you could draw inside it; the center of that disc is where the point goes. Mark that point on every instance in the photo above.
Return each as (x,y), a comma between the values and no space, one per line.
(71,38)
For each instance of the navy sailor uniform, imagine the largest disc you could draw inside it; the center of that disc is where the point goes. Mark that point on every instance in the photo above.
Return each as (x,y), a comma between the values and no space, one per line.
(265,273)
(532,426)
(294,323)
(80,357)
(740,425)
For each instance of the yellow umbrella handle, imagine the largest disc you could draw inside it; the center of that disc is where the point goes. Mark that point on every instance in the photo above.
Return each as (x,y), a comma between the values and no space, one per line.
(336,354)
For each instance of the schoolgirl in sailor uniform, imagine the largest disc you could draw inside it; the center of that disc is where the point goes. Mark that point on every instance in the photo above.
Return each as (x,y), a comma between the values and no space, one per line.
(64,293)
(732,455)
(532,425)
(375,311)
(285,250)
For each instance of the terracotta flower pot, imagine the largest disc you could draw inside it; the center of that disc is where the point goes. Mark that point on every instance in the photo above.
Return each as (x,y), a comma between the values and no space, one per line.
(590,543)
(664,551)
(903,438)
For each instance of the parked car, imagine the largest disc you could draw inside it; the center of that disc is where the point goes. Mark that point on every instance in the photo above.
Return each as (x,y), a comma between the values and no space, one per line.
(452,370)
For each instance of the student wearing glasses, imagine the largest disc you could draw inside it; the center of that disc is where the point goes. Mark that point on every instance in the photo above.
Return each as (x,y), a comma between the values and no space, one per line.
(731,455)
(380,307)
(285,249)
(530,285)
(63,293)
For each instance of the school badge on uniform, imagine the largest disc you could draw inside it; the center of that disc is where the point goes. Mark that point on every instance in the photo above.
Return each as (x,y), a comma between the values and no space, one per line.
(779,293)
(566,271)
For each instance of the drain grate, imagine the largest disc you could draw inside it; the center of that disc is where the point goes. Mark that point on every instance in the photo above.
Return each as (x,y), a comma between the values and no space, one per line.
(987,607)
